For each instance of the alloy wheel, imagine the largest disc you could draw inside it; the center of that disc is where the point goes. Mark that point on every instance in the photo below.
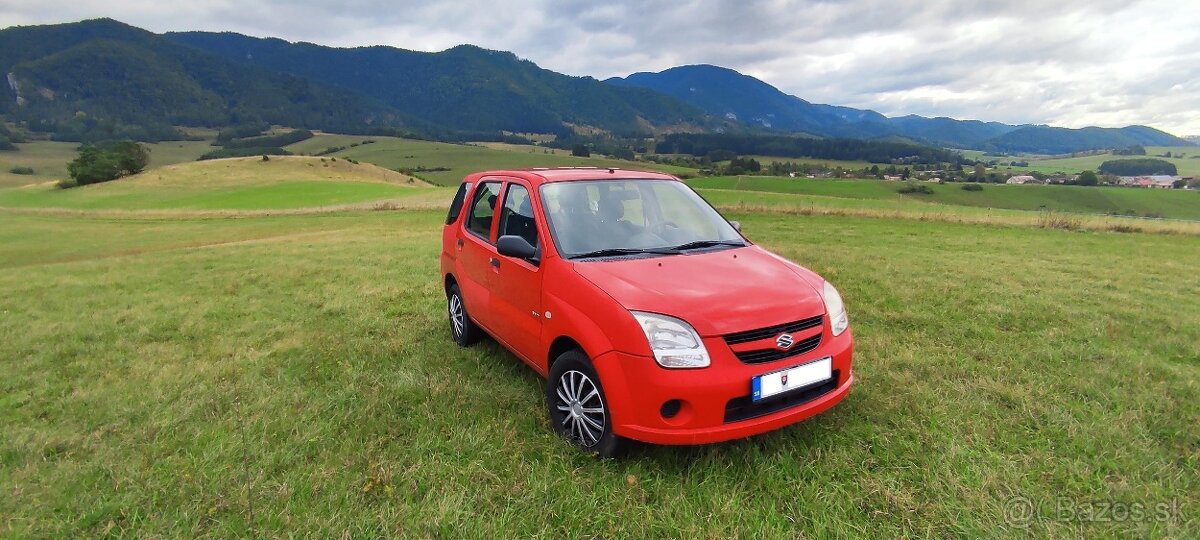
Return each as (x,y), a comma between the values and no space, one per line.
(582,408)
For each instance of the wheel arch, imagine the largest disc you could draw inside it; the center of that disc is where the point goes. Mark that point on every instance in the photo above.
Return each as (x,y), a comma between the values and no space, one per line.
(560,345)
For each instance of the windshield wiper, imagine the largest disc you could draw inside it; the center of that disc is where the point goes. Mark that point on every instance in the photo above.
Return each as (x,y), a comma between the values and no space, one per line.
(611,252)
(708,243)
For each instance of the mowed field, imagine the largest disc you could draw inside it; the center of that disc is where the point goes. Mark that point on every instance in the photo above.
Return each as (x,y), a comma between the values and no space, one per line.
(1178,204)
(460,159)
(293,374)
(283,182)
(49,159)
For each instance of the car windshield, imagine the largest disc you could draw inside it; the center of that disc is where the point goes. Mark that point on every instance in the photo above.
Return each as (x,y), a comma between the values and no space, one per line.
(615,217)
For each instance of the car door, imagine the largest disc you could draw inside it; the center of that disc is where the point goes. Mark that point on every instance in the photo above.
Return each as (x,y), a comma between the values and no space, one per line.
(476,245)
(517,283)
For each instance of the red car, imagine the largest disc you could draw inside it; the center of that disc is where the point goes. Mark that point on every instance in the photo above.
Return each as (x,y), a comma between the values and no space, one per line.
(652,317)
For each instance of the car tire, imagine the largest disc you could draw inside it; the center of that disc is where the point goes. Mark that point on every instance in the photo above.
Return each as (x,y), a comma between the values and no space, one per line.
(578,407)
(464,331)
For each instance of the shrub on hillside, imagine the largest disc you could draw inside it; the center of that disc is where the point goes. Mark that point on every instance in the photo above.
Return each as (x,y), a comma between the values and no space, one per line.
(915,188)
(972,187)
(21,170)
(96,164)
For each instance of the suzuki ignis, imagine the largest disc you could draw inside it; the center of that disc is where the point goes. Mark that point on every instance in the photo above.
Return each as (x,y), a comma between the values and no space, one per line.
(651,316)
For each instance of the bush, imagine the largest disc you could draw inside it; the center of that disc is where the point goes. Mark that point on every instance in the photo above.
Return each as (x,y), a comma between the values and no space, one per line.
(972,187)
(96,164)
(581,150)
(1058,220)
(915,188)
(21,170)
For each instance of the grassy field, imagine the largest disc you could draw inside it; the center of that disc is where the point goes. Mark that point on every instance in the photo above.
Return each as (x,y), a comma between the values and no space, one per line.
(1089,200)
(267,376)
(460,159)
(233,184)
(49,159)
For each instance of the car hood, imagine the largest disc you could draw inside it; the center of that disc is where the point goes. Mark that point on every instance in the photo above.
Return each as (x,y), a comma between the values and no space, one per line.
(717,292)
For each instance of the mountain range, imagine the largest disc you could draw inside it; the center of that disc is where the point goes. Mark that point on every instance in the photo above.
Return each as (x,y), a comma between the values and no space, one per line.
(103,78)
(727,93)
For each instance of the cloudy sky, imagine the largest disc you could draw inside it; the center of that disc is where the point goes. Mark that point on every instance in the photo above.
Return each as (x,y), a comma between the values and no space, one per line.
(1072,63)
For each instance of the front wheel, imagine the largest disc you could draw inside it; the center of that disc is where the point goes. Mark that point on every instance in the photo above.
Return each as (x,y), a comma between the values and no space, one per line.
(578,410)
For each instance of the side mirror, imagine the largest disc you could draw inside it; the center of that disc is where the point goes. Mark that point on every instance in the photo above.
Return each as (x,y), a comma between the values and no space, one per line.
(736,226)
(511,245)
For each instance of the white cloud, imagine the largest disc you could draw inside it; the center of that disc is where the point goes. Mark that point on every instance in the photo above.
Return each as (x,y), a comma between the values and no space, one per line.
(1071,63)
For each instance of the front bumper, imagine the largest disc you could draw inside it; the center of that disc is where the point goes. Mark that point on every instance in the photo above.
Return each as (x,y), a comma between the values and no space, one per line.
(715,400)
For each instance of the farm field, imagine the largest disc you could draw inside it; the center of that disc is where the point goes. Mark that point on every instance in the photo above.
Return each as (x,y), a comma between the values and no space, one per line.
(234,184)
(179,375)
(49,159)
(1177,204)
(460,159)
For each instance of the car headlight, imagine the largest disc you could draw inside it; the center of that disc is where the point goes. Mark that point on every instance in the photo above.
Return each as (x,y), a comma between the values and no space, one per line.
(675,343)
(838,320)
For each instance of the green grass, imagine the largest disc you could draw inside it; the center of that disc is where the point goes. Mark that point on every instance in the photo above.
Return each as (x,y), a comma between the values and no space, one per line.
(231,184)
(461,159)
(294,375)
(1176,204)
(49,159)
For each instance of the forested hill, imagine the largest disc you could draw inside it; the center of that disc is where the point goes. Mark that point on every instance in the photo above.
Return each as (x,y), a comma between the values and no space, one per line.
(465,88)
(105,79)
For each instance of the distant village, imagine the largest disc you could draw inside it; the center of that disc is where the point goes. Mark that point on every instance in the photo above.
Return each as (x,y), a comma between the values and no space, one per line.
(1158,181)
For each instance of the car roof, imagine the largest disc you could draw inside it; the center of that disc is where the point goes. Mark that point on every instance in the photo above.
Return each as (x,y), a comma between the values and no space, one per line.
(539,175)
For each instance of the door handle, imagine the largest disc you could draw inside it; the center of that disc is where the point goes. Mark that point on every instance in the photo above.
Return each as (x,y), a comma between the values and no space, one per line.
(460,243)
(495,262)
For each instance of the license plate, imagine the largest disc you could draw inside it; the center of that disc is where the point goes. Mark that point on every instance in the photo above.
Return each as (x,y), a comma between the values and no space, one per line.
(792,378)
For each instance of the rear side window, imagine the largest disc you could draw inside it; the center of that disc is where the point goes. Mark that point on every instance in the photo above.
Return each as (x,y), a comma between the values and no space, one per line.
(516,218)
(483,209)
(459,199)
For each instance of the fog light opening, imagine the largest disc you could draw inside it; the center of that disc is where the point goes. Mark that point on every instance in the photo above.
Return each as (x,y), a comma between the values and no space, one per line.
(670,408)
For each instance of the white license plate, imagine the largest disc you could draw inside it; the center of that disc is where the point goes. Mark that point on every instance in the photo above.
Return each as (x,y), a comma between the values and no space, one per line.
(770,384)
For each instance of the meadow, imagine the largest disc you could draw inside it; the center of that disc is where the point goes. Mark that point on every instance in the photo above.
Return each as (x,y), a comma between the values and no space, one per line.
(1177,204)
(240,374)
(458,159)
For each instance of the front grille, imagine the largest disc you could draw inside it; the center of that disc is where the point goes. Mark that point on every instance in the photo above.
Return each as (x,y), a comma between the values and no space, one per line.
(772,331)
(744,407)
(771,355)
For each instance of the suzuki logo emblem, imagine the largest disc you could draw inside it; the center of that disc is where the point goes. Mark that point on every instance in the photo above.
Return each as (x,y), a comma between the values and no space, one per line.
(783,379)
(784,341)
